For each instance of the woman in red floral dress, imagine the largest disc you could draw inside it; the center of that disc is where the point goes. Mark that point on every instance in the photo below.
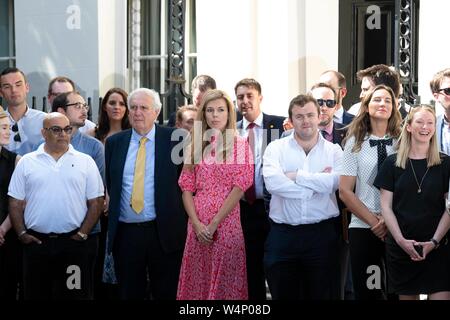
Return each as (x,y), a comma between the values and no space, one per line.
(214,178)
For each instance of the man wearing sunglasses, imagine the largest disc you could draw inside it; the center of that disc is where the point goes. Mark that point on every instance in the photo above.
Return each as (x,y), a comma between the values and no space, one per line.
(26,123)
(337,81)
(56,196)
(440,88)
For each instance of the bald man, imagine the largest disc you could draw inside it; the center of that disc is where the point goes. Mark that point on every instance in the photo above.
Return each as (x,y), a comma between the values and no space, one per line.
(56,198)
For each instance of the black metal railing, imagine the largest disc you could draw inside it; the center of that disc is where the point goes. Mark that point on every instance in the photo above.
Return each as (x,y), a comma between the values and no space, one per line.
(43,106)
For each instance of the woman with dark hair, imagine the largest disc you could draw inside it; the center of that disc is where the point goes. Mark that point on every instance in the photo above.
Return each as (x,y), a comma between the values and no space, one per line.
(113,118)
(217,171)
(370,138)
(113,115)
(414,185)
(10,247)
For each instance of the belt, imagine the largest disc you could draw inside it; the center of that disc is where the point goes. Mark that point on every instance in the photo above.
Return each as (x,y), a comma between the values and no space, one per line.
(52,235)
(139,224)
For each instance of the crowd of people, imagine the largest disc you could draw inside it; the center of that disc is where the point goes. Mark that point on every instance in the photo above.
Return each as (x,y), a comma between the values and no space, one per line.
(325,204)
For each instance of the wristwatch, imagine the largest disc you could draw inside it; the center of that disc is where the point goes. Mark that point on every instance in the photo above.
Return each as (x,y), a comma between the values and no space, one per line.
(435,242)
(82,235)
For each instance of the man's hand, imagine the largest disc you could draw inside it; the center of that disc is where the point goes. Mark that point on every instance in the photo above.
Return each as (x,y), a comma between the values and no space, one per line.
(27,238)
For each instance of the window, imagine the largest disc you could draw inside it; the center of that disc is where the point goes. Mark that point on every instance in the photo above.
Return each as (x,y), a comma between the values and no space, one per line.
(7,49)
(147,50)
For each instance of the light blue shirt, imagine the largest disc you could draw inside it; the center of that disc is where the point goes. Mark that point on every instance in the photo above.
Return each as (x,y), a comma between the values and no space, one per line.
(90,146)
(29,129)
(127,213)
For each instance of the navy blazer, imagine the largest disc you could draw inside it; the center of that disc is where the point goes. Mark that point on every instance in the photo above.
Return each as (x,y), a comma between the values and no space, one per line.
(339,132)
(347,118)
(274,127)
(171,219)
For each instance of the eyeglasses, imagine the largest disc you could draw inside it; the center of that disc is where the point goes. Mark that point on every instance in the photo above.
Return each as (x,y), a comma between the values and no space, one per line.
(79,105)
(58,130)
(329,103)
(446,91)
(15,129)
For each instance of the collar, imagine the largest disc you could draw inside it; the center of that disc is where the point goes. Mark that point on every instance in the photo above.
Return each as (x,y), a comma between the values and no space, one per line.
(27,112)
(258,121)
(136,137)
(339,114)
(329,128)
(40,150)
(291,137)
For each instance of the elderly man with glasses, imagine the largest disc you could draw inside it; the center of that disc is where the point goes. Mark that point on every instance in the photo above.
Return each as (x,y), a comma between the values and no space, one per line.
(56,196)
(26,123)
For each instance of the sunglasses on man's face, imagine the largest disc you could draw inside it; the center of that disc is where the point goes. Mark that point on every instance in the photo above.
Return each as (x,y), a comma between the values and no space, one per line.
(445,90)
(329,103)
(15,129)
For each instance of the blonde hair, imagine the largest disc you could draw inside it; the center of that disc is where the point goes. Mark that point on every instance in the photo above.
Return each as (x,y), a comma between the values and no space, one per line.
(404,142)
(2,113)
(196,152)
(361,126)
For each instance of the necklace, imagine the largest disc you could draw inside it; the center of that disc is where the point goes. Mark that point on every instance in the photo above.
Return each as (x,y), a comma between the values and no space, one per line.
(419,186)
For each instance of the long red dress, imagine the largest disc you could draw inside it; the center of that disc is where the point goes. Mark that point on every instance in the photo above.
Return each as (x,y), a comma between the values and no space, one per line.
(216,271)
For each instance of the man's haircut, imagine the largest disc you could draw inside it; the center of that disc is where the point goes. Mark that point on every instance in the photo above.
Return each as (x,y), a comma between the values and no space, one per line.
(61,100)
(382,74)
(301,100)
(203,82)
(435,83)
(9,70)
(61,79)
(249,83)
(323,85)
(342,82)
(182,109)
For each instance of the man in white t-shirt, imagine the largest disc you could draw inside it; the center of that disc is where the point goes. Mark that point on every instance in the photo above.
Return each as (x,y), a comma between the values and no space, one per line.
(56,198)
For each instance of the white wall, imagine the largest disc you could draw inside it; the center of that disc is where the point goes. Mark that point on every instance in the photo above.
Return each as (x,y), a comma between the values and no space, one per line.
(434,47)
(321,38)
(46,46)
(285,45)
(52,39)
(112,45)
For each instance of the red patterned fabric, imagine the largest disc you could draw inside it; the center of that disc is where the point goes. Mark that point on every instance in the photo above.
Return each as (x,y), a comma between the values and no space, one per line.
(216,271)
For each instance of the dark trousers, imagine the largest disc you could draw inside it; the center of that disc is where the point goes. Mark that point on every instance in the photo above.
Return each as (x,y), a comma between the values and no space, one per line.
(366,250)
(11,268)
(138,257)
(58,268)
(300,260)
(255,226)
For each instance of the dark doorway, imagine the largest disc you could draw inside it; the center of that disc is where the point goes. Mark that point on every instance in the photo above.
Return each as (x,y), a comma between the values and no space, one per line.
(364,39)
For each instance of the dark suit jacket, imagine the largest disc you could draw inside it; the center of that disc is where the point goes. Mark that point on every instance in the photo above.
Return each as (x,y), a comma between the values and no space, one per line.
(171,219)
(339,133)
(347,118)
(274,127)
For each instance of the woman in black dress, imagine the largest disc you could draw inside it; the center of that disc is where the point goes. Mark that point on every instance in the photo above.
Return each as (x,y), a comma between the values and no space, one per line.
(414,183)
(10,248)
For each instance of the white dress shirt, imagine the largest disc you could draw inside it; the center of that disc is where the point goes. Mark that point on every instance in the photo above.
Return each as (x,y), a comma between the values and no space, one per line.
(55,191)
(311,198)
